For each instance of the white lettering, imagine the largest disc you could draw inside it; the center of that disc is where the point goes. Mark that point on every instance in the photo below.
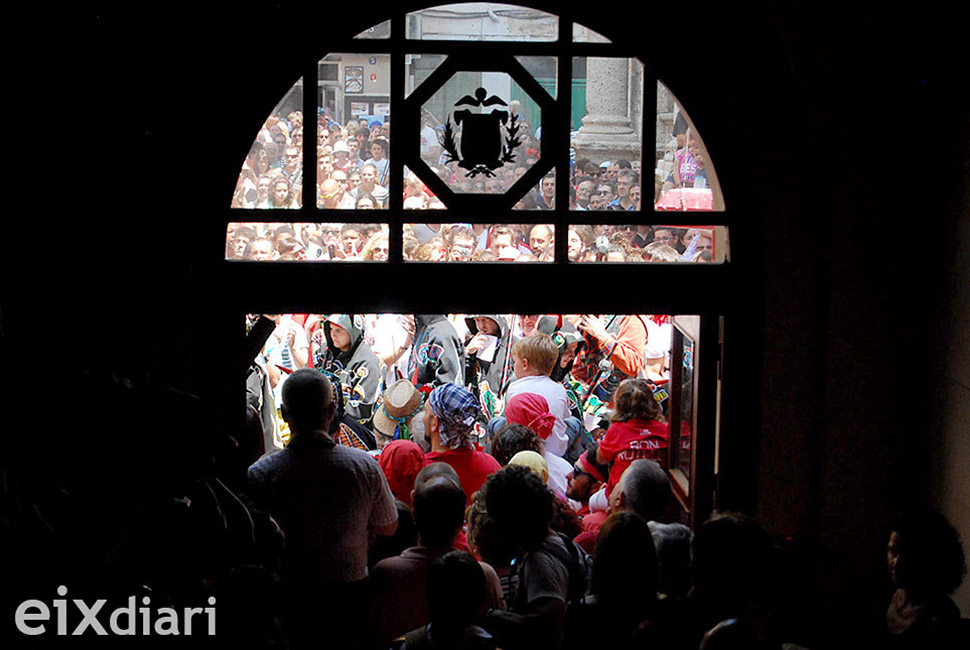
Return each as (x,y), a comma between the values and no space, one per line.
(146,623)
(169,616)
(22,616)
(31,615)
(124,611)
(90,619)
(211,611)
(189,612)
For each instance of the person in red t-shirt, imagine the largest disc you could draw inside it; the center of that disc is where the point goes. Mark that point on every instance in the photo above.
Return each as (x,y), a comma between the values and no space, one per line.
(450,413)
(638,430)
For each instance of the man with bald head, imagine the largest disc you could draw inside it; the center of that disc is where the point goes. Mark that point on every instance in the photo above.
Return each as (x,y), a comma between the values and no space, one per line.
(331,194)
(328,500)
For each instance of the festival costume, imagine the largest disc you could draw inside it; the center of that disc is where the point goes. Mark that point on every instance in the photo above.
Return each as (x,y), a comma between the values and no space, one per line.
(436,353)
(358,368)
(632,440)
(496,371)
(625,355)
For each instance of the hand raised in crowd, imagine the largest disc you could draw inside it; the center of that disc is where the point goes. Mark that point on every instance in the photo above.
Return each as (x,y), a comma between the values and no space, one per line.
(477,344)
(409,327)
(594,326)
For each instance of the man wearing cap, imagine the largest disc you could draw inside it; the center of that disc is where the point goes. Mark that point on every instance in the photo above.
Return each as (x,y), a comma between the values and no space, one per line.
(450,415)
(328,500)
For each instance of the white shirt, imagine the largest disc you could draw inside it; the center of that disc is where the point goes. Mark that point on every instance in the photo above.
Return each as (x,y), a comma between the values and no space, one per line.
(555,394)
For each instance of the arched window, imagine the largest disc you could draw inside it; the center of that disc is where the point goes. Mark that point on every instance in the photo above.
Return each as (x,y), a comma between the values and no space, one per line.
(491,106)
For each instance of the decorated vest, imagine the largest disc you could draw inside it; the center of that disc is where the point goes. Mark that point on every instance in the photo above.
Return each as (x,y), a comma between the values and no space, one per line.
(605,376)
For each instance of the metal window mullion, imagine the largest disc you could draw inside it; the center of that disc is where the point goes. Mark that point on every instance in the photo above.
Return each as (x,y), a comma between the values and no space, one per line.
(308,204)
(561,121)
(395,205)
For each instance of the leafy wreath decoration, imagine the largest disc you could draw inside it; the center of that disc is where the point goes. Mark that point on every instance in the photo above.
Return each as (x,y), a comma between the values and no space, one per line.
(449,143)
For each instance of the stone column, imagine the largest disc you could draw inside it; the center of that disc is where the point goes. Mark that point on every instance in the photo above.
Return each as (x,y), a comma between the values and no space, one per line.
(608,132)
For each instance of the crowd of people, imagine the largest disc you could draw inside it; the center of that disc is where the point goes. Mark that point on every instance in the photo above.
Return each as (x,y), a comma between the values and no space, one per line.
(464,242)
(523,459)
(353,170)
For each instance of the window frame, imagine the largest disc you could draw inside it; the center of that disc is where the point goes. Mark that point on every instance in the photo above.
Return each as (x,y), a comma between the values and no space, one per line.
(704,290)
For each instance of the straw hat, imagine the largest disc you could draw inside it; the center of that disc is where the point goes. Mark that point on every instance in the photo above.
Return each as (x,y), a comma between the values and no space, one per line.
(401,401)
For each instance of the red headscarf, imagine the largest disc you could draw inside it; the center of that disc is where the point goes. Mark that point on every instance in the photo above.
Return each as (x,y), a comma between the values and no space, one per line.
(401,461)
(532,410)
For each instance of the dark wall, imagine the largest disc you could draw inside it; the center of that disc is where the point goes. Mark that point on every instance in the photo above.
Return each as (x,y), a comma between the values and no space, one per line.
(840,132)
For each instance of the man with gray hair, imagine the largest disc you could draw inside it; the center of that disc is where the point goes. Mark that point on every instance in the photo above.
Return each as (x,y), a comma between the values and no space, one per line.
(644,488)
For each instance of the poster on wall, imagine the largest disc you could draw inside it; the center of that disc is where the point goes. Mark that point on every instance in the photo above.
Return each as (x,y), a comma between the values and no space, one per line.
(359,108)
(382,108)
(354,79)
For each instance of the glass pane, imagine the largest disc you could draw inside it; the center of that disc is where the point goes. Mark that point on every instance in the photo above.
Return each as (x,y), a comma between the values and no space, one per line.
(607,116)
(685,179)
(658,244)
(485,142)
(380,30)
(583,34)
(480,242)
(544,70)
(307,242)
(482,21)
(353,131)
(686,407)
(419,67)
(272,173)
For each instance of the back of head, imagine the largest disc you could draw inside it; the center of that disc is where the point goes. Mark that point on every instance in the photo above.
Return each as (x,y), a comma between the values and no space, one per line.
(539,349)
(307,400)
(635,400)
(401,461)
(533,461)
(435,470)
(731,562)
(483,535)
(625,563)
(521,506)
(931,559)
(456,591)
(513,438)
(672,542)
(439,511)
(646,489)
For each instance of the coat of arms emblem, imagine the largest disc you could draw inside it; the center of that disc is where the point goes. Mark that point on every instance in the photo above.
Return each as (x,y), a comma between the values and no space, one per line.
(487,140)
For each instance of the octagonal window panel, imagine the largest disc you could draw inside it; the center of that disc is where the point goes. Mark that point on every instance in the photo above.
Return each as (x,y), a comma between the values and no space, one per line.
(485,141)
